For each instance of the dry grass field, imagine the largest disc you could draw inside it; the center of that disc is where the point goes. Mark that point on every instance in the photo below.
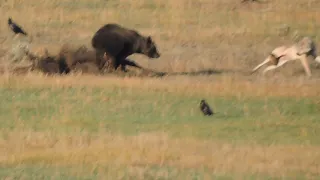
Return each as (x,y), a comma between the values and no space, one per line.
(119,127)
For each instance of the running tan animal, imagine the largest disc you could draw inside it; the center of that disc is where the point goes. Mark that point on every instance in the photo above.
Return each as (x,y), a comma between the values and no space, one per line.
(299,51)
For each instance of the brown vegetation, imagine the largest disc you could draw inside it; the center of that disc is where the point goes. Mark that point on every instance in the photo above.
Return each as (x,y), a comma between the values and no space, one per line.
(147,149)
(86,68)
(208,47)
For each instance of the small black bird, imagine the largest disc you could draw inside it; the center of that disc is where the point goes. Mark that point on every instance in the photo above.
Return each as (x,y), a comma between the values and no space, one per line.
(15,28)
(205,108)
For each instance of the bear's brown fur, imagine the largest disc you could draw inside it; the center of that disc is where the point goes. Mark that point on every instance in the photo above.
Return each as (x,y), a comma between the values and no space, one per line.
(120,42)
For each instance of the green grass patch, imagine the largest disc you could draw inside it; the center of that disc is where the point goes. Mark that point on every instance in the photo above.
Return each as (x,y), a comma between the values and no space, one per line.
(137,172)
(129,111)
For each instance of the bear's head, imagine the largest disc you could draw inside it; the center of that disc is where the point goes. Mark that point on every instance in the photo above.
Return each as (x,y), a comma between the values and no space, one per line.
(150,48)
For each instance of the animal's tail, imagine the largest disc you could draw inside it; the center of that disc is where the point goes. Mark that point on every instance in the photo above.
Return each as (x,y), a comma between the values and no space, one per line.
(24,33)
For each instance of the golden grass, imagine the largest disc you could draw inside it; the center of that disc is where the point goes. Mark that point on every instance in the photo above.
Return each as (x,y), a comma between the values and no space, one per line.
(212,27)
(191,36)
(226,85)
(155,149)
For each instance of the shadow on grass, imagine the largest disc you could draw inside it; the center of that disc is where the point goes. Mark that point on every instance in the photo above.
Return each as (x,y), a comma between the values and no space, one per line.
(149,72)
(201,72)
(206,72)
(129,62)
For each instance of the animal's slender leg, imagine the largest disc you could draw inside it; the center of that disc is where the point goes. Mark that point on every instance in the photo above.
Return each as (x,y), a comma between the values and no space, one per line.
(123,66)
(131,63)
(121,61)
(263,63)
(116,64)
(272,67)
(305,64)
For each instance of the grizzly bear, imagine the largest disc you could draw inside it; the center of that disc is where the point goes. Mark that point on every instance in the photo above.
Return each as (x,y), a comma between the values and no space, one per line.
(119,43)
